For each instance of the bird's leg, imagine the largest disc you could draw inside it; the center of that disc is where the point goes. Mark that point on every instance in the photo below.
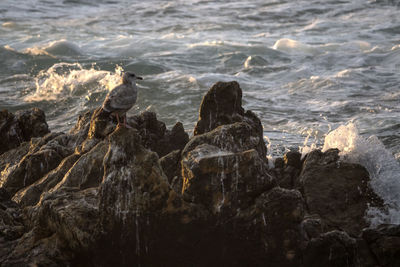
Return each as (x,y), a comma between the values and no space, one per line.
(126,125)
(117,119)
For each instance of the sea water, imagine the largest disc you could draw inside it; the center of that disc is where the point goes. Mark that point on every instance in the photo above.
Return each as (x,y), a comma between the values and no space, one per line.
(319,74)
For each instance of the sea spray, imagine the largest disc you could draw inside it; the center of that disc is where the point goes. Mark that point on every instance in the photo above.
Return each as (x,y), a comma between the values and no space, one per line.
(64,80)
(383,168)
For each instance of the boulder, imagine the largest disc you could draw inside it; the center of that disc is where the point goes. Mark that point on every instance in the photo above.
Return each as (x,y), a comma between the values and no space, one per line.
(222,105)
(221,179)
(338,192)
(334,249)
(21,127)
(155,135)
(287,169)
(384,242)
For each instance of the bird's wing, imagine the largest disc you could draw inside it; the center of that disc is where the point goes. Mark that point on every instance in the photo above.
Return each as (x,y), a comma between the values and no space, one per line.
(121,97)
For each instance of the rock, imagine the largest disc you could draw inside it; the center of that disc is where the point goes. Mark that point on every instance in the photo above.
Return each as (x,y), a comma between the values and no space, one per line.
(174,139)
(338,192)
(335,249)
(235,137)
(384,242)
(32,123)
(15,129)
(101,124)
(282,212)
(30,196)
(222,105)
(170,165)
(288,169)
(221,179)
(156,137)
(43,156)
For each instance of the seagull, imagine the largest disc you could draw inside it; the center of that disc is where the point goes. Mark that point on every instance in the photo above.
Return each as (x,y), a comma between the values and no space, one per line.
(122,97)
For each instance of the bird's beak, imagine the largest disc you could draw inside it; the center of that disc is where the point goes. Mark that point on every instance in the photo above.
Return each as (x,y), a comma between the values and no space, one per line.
(139,78)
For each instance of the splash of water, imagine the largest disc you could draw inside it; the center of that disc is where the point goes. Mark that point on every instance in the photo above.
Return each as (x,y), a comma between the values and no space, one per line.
(66,79)
(382,166)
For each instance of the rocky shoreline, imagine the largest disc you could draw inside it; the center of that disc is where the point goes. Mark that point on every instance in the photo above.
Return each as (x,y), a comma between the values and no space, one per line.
(149,196)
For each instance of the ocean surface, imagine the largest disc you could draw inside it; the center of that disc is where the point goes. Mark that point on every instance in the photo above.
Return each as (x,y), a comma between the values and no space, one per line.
(319,74)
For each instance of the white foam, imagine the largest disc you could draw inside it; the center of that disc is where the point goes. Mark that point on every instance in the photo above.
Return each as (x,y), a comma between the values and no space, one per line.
(294,46)
(65,79)
(383,168)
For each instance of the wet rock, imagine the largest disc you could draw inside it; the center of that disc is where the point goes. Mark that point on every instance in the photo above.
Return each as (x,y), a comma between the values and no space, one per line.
(235,137)
(282,212)
(101,124)
(221,179)
(384,242)
(21,127)
(173,139)
(334,248)
(222,105)
(170,165)
(339,192)
(155,136)
(30,195)
(44,155)
(32,123)
(288,169)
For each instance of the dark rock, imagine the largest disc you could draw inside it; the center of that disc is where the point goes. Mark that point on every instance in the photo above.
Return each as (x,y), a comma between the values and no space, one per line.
(384,242)
(293,158)
(338,192)
(101,124)
(44,155)
(15,129)
(334,249)
(222,105)
(237,137)
(220,179)
(282,212)
(156,137)
(173,139)
(30,195)
(32,123)
(170,165)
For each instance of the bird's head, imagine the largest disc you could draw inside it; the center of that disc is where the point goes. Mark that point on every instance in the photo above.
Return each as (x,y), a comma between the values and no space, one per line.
(130,78)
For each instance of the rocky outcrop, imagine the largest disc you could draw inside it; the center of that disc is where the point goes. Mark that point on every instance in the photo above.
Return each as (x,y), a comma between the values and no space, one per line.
(339,192)
(222,105)
(103,195)
(21,127)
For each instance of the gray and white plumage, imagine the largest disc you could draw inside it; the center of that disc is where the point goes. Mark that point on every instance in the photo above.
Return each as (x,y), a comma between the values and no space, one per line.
(122,97)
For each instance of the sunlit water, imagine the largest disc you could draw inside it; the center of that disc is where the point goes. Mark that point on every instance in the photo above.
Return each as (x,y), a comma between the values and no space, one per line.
(305,67)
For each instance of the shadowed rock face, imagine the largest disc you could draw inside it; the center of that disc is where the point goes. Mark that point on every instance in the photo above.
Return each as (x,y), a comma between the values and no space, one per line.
(339,192)
(21,127)
(103,195)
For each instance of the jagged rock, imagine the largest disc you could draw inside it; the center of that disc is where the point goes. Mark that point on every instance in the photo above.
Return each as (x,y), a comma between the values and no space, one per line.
(21,127)
(339,192)
(235,137)
(30,195)
(155,135)
(282,212)
(101,124)
(219,178)
(288,169)
(44,155)
(32,123)
(173,139)
(384,242)
(223,105)
(334,249)
(170,165)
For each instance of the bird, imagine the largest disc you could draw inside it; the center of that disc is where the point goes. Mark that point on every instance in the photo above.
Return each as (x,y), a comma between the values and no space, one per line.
(122,97)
